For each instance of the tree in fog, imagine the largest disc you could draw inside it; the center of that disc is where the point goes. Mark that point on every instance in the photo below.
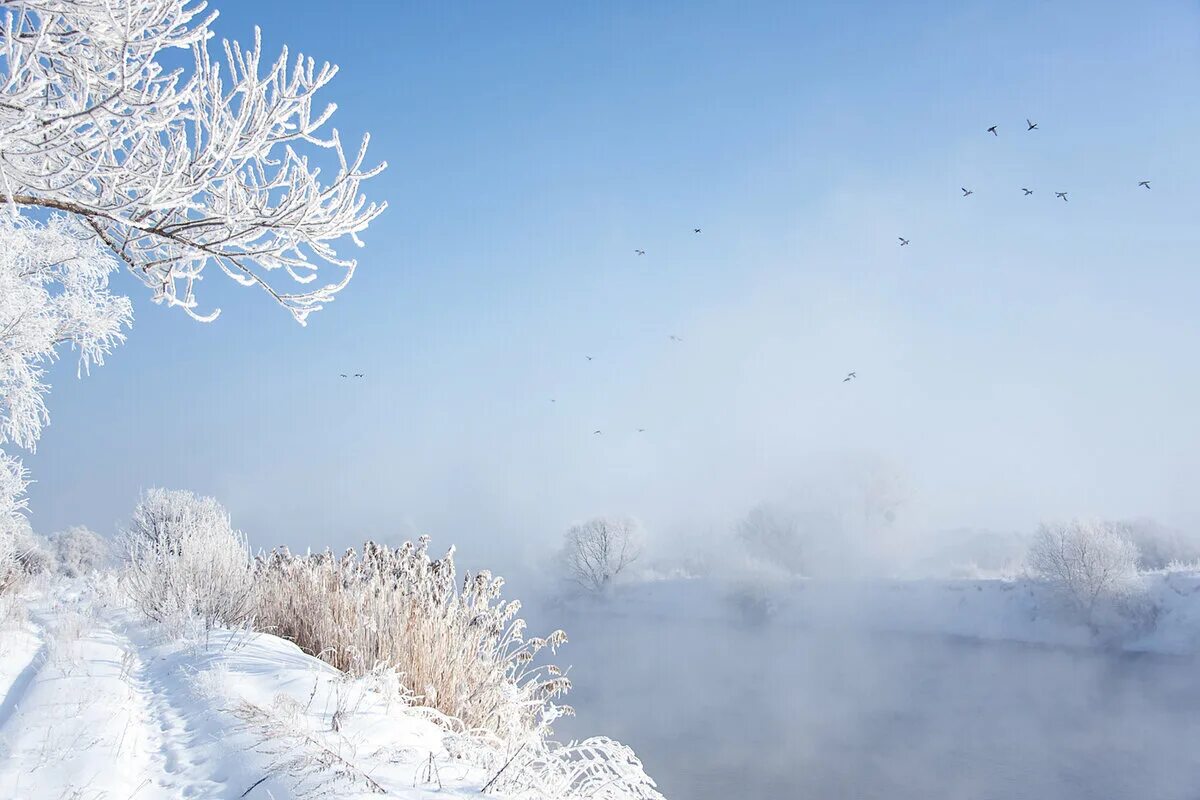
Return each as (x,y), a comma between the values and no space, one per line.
(79,551)
(884,493)
(1088,562)
(598,551)
(774,535)
(1158,545)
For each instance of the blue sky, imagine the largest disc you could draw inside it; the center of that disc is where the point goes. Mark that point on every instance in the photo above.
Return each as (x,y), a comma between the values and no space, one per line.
(1022,358)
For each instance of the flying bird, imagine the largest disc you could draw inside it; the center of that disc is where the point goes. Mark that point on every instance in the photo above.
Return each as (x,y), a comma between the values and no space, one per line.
(596,433)
(992,131)
(1144,183)
(344,375)
(695,230)
(1032,125)
(589,358)
(640,252)
(1063,195)
(967,192)
(903,241)
(1026,191)
(675,338)
(552,400)
(641,430)
(358,374)
(849,377)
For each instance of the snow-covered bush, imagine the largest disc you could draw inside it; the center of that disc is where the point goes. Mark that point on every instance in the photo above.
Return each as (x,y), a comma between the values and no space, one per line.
(33,553)
(11,574)
(460,649)
(596,552)
(28,553)
(168,515)
(78,551)
(184,559)
(1090,564)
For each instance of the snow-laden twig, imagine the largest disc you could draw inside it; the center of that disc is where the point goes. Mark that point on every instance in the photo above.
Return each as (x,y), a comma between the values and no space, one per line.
(176,169)
(296,752)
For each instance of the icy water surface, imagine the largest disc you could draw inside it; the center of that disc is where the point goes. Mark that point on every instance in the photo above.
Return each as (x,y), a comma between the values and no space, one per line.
(719,711)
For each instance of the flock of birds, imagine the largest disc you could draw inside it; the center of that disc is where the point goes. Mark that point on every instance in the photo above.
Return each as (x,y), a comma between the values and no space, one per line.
(1030,125)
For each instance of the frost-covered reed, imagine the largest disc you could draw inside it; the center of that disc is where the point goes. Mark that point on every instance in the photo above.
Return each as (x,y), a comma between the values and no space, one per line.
(459,647)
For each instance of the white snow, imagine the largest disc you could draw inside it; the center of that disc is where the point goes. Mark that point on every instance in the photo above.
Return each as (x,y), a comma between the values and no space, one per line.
(97,703)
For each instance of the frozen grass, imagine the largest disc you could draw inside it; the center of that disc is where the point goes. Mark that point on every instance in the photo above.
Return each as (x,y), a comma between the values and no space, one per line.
(459,648)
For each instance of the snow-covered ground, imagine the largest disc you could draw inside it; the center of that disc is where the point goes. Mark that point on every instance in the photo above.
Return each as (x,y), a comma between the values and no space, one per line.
(96,704)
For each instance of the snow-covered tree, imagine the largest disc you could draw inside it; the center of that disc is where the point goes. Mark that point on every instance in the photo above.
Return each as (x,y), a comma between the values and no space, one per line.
(183,557)
(1088,562)
(166,516)
(53,293)
(598,551)
(111,153)
(774,535)
(79,551)
(178,168)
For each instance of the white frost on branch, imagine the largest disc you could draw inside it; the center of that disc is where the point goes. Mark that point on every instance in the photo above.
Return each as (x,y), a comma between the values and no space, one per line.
(53,292)
(177,168)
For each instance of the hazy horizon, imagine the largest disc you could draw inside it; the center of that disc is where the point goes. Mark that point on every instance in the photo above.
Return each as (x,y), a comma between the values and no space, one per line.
(1021,359)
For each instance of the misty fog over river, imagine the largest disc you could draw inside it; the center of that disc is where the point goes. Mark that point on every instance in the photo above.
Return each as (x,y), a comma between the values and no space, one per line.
(718,710)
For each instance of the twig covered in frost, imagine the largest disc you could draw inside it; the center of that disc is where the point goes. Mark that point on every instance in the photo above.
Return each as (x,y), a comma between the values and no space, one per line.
(598,769)
(297,752)
(53,293)
(175,169)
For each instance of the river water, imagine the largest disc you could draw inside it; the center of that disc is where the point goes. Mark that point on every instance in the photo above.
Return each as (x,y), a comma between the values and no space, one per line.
(718,711)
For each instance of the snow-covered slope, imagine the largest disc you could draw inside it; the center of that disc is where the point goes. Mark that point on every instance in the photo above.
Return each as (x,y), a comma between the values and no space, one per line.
(95,703)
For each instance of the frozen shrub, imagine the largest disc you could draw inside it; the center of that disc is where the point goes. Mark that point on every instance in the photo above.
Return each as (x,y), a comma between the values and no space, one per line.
(1090,564)
(167,515)
(458,647)
(597,552)
(79,551)
(30,552)
(183,559)
(11,575)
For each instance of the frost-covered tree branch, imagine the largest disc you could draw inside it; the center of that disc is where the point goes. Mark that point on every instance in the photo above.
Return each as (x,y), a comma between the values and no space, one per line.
(175,169)
(53,292)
